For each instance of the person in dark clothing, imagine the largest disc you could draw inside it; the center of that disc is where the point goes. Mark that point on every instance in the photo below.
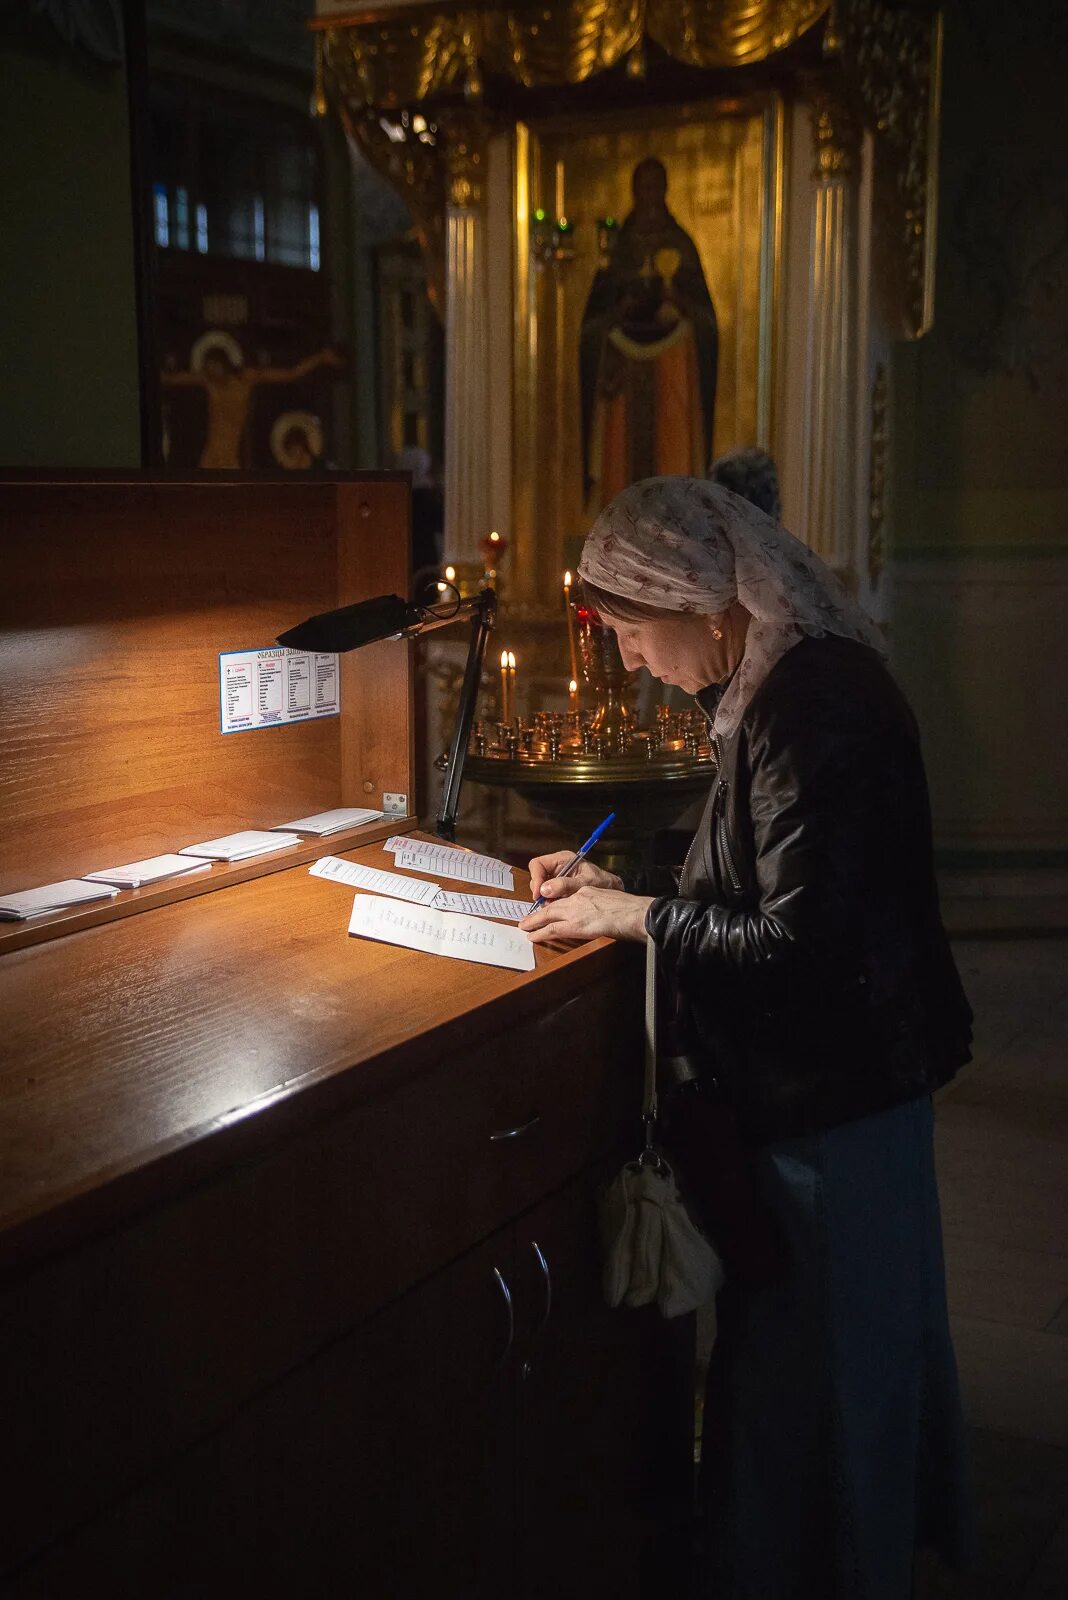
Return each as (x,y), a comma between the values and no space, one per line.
(752,474)
(817,1007)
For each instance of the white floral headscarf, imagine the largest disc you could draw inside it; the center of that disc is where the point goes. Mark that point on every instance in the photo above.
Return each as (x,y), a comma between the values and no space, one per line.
(684,544)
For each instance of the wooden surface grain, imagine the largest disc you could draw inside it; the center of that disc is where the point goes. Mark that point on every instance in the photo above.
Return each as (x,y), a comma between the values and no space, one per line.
(116,603)
(141,1055)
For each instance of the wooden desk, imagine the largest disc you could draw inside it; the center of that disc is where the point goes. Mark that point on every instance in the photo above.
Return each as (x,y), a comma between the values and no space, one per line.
(255,1205)
(299,1273)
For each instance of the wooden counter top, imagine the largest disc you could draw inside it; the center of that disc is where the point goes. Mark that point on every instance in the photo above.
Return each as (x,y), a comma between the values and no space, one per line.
(149,1053)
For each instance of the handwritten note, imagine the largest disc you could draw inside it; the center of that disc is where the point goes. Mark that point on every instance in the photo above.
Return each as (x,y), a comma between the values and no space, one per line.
(441,933)
(375,880)
(462,864)
(482,905)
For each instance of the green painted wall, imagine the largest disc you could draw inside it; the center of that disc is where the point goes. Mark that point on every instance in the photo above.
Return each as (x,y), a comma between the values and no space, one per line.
(980,454)
(68,345)
(981,404)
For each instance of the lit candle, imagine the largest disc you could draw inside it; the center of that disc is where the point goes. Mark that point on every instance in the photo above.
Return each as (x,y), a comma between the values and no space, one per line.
(504,686)
(570,626)
(572,695)
(511,687)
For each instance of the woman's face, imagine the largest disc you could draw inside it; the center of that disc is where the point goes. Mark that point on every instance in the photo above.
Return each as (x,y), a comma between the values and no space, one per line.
(682,648)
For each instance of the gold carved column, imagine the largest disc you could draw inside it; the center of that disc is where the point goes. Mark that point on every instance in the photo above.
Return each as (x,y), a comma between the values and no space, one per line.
(830,358)
(467,354)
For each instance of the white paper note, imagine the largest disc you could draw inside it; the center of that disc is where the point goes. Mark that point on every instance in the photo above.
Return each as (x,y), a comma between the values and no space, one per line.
(374,879)
(441,933)
(325,822)
(136,873)
(444,862)
(404,841)
(482,905)
(51,897)
(240,846)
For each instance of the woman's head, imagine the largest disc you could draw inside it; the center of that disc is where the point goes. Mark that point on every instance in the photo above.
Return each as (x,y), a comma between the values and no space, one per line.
(686,546)
(687,649)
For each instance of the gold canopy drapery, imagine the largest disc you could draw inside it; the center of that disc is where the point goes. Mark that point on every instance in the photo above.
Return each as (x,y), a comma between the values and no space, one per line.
(403,60)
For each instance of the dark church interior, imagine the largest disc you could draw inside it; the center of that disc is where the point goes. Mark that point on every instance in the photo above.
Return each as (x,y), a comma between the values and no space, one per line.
(536,535)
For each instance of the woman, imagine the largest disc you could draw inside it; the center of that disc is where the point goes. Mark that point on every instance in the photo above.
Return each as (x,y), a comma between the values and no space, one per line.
(814,978)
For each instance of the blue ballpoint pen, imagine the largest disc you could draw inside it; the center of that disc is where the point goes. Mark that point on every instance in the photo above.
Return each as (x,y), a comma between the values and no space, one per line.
(580,854)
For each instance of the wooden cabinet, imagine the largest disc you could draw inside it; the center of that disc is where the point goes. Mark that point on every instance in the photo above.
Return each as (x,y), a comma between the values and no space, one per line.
(480,1437)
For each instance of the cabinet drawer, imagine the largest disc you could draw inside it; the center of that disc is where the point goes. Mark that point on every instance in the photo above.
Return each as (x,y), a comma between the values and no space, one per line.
(141,1342)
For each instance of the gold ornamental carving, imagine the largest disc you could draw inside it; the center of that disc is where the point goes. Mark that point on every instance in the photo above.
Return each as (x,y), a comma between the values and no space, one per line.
(892,55)
(466,134)
(835,132)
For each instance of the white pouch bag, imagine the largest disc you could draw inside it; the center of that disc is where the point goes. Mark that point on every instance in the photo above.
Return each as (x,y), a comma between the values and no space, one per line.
(653,1250)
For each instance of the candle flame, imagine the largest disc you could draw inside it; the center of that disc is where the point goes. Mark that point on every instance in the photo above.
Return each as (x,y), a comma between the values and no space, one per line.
(495,537)
(567,580)
(572,687)
(511,660)
(450,574)
(504,658)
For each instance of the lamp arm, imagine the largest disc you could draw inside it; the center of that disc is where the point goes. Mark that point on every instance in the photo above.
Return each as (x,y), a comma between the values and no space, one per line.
(483,611)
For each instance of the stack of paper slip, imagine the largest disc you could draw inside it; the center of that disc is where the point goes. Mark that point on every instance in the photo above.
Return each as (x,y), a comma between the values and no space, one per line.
(151,870)
(240,846)
(325,822)
(52,897)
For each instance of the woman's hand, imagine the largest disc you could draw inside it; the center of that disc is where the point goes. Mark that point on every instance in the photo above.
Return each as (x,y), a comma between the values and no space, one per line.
(583,911)
(544,868)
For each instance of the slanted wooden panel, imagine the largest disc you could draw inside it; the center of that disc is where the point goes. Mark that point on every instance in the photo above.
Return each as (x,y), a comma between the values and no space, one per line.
(117,598)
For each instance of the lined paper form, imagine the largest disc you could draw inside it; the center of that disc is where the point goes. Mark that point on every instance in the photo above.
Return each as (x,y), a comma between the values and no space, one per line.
(375,880)
(440,933)
(482,905)
(445,862)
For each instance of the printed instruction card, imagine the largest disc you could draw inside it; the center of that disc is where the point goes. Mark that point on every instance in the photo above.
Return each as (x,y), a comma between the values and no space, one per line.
(268,688)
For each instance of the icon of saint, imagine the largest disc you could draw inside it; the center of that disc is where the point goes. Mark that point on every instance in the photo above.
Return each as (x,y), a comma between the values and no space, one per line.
(648,351)
(218,368)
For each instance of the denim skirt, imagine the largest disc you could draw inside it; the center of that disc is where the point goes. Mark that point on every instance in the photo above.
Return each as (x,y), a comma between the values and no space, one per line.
(833,1441)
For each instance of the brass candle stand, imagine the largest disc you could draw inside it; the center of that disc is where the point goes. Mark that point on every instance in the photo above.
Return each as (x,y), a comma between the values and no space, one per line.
(575,766)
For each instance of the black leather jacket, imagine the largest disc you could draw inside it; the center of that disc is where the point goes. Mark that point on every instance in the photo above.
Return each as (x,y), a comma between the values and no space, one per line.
(804,939)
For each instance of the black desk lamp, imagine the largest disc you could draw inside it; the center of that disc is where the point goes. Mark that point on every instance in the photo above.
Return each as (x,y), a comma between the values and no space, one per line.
(390,617)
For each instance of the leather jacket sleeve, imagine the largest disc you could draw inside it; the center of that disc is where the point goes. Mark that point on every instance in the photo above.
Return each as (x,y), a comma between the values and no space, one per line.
(807,771)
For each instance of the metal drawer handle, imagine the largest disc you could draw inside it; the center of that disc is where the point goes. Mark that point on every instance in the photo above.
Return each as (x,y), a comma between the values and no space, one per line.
(509,1307)
(539,1256)
(514,1133)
